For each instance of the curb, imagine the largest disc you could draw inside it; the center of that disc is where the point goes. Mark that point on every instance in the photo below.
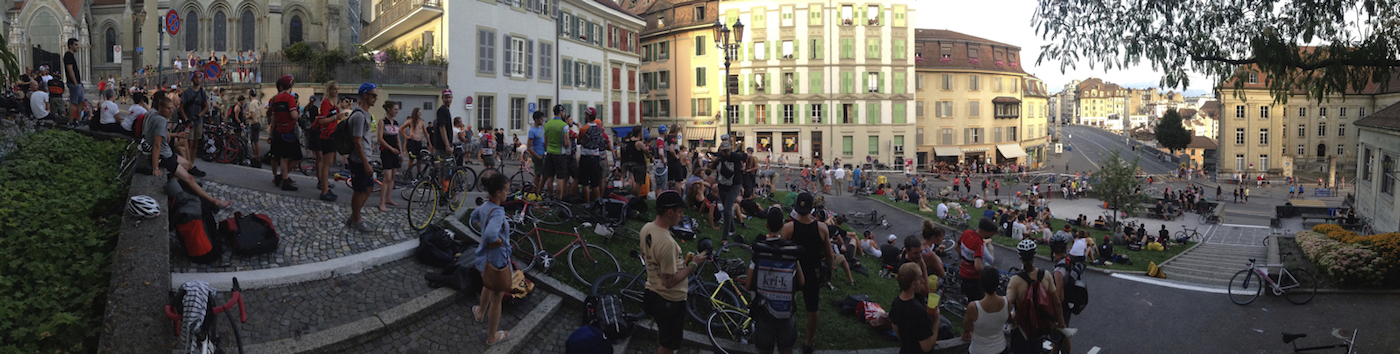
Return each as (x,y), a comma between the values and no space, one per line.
(341,337)
(264,278)
(546,309)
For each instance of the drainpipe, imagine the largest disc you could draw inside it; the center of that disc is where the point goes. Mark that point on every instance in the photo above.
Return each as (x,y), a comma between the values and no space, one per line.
(557,59)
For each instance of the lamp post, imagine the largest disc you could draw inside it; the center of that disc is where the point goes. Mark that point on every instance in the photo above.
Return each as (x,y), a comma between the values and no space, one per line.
(722,41)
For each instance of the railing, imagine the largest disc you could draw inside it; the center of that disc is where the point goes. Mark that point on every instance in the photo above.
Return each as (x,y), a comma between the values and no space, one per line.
(395,12)
(382,74)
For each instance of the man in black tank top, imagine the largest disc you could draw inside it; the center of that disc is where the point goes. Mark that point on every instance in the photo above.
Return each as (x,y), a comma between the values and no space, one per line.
(806,231)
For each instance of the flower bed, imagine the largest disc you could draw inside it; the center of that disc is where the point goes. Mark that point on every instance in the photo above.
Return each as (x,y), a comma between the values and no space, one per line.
(1348,264)
(1387,246)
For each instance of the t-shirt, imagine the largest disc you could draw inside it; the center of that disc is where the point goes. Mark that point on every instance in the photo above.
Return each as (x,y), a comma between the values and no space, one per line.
(536,137)
(839,173)
(155,127)
(488,144)
(442,123)
(663,256)
(972,247)
(327,109)
(37,102)
(942,210)
(359,122)
(68,60)
(911,316)
(130,118)
(109,112)
(282,107)
(192,101)
(554,134)
(1077,249)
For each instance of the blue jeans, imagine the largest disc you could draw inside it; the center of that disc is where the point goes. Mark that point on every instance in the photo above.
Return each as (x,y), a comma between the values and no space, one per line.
(727,196)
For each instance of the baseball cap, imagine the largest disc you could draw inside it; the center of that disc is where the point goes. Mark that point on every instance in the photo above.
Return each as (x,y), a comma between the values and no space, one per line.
(669,199)
(724,137)
(367,88)
(446,92)
(590,112)
(804,203)
(726,145)
(286,80)
(893,238)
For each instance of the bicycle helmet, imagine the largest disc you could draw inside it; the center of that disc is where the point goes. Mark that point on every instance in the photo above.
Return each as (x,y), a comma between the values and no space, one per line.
(1058,242)
(143,206)
(661,129)
(705,245)
(1026,249)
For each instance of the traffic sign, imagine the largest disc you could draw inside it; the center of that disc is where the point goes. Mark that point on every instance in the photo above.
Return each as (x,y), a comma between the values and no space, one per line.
(117,49)
(212,70)
(172,22)
(532,107)
(468,102)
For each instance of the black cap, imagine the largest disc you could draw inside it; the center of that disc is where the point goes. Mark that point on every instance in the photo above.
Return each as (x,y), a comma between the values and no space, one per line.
(669,200)
(804,203)
(987,225)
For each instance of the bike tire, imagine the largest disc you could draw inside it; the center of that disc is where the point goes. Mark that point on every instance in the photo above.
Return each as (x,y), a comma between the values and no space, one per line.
(422,205)
(733,258)
(456,191)
(551,212)
(234,335)
(1243,288)
(626,286)
(525,250)
(1306,287)
(229,151)
(484,173)
(698,305)
(307,166)
(730,325)
(586,269)
(518,180)
(204,146)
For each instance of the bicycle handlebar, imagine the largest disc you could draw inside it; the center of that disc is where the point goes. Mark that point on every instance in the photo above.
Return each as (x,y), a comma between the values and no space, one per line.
(236,298)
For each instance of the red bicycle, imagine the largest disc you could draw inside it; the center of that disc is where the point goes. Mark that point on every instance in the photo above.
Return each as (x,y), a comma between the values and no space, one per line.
(587,262)
(210,338)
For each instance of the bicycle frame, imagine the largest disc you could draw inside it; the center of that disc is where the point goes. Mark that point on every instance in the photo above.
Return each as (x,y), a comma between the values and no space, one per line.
(236,298)
(578,241)
(1347,343)
(1274,286)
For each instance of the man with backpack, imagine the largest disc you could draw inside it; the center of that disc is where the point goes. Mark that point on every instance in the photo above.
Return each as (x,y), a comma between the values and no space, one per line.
(817,259)
(286,148)
(775,262)
(973,250)
(593,144)
(1069,287)
(1035,302)
(358,162)
(556,136)
(728,167)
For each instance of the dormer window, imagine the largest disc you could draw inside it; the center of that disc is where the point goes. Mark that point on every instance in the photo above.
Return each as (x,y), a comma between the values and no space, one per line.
(660,21)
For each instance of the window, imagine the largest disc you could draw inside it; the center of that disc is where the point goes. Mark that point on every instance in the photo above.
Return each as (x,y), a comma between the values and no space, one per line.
(918,81)
(660,21)
(816,114)
(848,112)
(733,114)
(664,110)
(220,33)
(247,30)
(872,82)
(1011,134)
(1302,131)
(663,80)
(1239,162)
(485,51)
(612,38)
(1321,129)
(946,136)
(1387,179)
(996,135)
(1239,136)
(874,145)
(762,113)
(192,30)
(787,50)
(1322,112)
(700,45)
(972,82)
(976,135)
(758,82)
(789,83)
(947,81)
(788,17)
(1301,150)
(790,142)
(1253,78)
(1341,150)
(664,52)
(733,84)
(646,53)
(516,57)
(1302,112)
(1239,111)
(815,49)
(566,25)
(543,6)
(517,113)
(702,107)
(848,145)
(846,16)
(1263,111)
(1263,137)
(872,14)
(919,108)
(1341,130)
(943,109)
(700,13)
(111,35)
(759,50)
(1263,162)
(484,109)
(974,109)
(700,76)
(996,84)
(1365,163)
(546,62)
(1342,112)
(789,116)
(1361,112)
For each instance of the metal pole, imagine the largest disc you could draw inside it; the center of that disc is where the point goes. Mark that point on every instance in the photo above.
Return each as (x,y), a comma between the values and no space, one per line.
(160,64)
(727,129)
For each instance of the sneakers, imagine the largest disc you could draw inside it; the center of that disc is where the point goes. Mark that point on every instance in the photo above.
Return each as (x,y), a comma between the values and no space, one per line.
(330,197)
(361,226)
(196,172)
(289,187)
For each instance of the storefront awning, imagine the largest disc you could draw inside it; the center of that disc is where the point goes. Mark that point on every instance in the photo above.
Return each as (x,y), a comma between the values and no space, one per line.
(947,151)
(622,131)
(1011,151)
(699,133)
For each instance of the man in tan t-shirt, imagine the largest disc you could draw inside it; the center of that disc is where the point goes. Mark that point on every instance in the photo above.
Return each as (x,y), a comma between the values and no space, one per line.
(667,272)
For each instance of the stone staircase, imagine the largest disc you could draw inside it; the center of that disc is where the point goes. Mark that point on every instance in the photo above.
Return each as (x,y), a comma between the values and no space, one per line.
(1213,264)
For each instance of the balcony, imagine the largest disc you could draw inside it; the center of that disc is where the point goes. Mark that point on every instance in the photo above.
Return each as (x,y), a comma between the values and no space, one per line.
(397,18)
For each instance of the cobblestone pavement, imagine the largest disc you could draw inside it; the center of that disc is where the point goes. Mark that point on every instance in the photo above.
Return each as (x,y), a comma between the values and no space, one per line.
(310,231)
(299,309)
(452,330)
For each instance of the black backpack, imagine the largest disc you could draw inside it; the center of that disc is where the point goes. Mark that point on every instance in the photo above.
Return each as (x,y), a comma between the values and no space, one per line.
(605,312)
(1076,290)
(728,171)
(250,234)
(437,247)
(344,141)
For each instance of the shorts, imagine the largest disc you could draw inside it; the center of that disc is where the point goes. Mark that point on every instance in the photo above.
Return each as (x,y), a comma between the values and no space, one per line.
(389,160)
(488,161)
(557,166)
(639,171)
(326,146)
(669,317)
(772,333)
(590,171)
(197,132)
(75,94)
(170,164)
(573,166)
(972,289)
(284,149)
(255,132)
(413,147)
(359,180)
(538,164)
(811,289)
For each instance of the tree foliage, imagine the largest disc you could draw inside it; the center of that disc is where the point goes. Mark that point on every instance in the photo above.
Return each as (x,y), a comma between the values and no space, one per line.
(1171,134)
(1321,46)
(1116,184)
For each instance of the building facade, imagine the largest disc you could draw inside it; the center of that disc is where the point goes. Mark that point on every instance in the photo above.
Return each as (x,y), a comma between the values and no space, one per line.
(502,57)
(977,107)
(599,60)
(681,78)
(1102,104)
(1380,151)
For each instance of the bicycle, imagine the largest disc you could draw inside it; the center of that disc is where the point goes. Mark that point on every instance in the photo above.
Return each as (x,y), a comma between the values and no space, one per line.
(595,260)
(950,285)
(210,337)
(521,212)
(628,286)
(427,195)
(595,213)
(1347,342)
(871,219)
(1187,234)
(131,154)
(704,299)
(1297,286)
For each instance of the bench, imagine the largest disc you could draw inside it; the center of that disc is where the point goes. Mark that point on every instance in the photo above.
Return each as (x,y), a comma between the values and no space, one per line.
(1325,217)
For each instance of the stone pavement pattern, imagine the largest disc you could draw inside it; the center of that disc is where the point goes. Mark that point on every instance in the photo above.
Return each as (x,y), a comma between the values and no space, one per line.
(453,330)
(310,230)
(299,309)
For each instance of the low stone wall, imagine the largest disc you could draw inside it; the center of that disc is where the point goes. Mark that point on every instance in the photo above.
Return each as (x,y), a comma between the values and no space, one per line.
(134,319)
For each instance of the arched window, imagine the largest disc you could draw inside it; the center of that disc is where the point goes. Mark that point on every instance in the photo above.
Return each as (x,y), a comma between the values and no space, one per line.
(246,30)
(191,31)
(44,33)
(220,31)
(295,32)
(111,42)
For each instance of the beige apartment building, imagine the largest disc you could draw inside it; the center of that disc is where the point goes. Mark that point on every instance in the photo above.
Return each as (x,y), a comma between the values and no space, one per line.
(682,72)
(1258,134)
(1102,104)
(974,102)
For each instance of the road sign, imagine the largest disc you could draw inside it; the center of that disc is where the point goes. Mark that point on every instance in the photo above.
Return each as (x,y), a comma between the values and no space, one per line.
(212,70)
(468,102)
(172,22)
(140,49)
(532,107)
(117,49)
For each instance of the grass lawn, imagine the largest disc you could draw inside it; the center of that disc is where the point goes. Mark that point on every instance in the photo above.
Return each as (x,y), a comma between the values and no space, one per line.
(1140,258)
(835,331)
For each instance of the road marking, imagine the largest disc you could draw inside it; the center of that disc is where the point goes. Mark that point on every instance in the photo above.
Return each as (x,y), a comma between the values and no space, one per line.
(1248,212)
(1094,350)
(1155,281)
(1247,226)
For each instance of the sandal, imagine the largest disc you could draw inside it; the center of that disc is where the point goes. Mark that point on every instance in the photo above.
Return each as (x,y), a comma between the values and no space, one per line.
(476,313)
(503,336)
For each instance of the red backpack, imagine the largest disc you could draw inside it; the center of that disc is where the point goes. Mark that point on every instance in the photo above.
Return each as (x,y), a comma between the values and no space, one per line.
(138,126)
(1035,310)
(250,234)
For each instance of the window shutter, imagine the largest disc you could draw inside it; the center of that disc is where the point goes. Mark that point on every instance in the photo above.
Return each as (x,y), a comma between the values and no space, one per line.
(505,51)
(753,114)
(795,52)
(826,112)
(967,135)
(897,115)
(802,112)
(748,89)
(864,82)
(796,84)
(816,49)
(881,84)
(560,24)
(573,26)
(751,48)
(568,72)
(881,16)
(814,85)
(481,51)
(530,56)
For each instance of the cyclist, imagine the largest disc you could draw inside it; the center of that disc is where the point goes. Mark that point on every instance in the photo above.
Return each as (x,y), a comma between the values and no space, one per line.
(775,258)
(812,235)
(440,133)
(156,130)
(487,152)
(593,143)
(322,147)
(667,271)
(194,103)
(286,148)
(556,136)
(534,139)
(252,111)
(390,152)
(1020,343)
(358,162)
(1063,266)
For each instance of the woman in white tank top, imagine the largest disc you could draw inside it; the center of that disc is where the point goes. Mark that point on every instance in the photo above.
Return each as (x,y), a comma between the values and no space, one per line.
(983,325)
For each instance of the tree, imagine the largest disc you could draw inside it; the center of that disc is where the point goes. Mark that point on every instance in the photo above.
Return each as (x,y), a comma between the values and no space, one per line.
(9,63)
(1321,47)
(1116,185)
(1170,133)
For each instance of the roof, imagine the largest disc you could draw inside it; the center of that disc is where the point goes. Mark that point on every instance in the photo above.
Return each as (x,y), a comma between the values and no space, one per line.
(1033,87)
(1005,99)
(928,52)
(1201,142)
(1187,113)
(1387,118)
(938,34)
(1211,109)
(1105,89)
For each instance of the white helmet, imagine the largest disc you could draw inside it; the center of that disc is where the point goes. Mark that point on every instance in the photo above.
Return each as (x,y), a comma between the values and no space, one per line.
(1026,245)
(143,207)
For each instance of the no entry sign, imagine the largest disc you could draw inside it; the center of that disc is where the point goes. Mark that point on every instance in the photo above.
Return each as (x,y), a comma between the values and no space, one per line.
(172,22)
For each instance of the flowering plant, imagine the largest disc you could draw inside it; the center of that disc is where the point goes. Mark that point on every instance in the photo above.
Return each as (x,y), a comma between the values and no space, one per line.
(973,61)
(1347,264)
(1001,63)
(380,57)
(1014,64)
(946,60)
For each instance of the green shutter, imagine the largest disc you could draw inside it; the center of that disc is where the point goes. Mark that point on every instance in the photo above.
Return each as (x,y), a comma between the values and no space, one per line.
(897,114)
(899,16)
(750,45)
(846,44)
(814,85)
(817,49)
(881,16)
(872,114)
(795,52)
(898,49)
(796,84)
(855,14)
(898,82)
(874,145)
(880,82)
(864,83)
(848,145)
(826,113)
(847,82)
(855,113)
(753,114)
(692,107)
(803,111)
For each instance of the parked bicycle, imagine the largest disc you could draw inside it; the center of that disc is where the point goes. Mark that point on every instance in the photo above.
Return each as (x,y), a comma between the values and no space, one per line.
(870,219)
(593,261)
(1296,285)
(1187,234)
(430,194)
(211,337)
(1347,342)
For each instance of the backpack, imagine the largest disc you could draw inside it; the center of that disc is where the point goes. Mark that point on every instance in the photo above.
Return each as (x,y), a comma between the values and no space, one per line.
(1035,310)
(587,340)
(605,311)
(252,234)
(1076,290)
(594,139)
(56,87)
(728,170)
(344,141)
(193,225)
(437,247)
(138,126)
(775,265)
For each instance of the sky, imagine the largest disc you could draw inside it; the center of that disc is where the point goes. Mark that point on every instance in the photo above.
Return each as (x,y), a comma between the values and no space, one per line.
(1013,26)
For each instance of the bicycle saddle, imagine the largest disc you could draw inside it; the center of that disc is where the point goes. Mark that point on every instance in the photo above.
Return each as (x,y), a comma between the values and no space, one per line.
(1290,337)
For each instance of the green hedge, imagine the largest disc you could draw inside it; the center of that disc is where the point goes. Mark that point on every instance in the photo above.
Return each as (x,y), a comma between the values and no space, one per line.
(58,196)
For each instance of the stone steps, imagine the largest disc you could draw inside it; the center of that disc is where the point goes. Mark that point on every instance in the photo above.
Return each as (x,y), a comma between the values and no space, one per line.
(1212,264)
(1197,278)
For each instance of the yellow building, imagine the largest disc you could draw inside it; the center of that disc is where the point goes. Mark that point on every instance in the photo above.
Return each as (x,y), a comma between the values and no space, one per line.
(682,73)
(1102,104)
(971,102)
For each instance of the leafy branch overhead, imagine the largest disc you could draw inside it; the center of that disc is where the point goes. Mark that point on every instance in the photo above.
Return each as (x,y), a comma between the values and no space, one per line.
(1321,47)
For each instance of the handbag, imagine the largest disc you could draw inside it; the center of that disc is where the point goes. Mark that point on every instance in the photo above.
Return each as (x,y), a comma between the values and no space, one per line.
(496,279)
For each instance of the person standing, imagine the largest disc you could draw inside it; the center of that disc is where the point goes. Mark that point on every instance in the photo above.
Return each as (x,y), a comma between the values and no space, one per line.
(194,103)
(1246,195)
(912,324)
(358,163)
(773,323)
(501,143)
(973,251)
(322,146)
(495,250)
(1218,190)
(840,176)
(556,136)
(1022,342)
(440,136)
(985,318)
(593,144)
(286,148)
(75,86)
(534,140)
(667,272)
(390,153)
(812,234)
(729,167)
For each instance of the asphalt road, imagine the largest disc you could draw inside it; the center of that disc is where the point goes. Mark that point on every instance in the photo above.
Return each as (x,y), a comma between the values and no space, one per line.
(1092,145)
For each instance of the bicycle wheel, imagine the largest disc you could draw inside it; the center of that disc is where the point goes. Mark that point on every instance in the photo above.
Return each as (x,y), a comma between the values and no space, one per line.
(1244,288)
(624,285)
(473,181)
(1302,289)
(733,258)
(209,148)
(484,173)
(307,166)
(229,337)
(699,305)
(422,205)
(230,151)
(518,180)
(732,326)
(524,249)
(588,266)
(626,233)
(456,191)
(550,212)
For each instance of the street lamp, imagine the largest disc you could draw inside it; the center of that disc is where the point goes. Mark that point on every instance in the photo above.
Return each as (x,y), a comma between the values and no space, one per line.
(722,41)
